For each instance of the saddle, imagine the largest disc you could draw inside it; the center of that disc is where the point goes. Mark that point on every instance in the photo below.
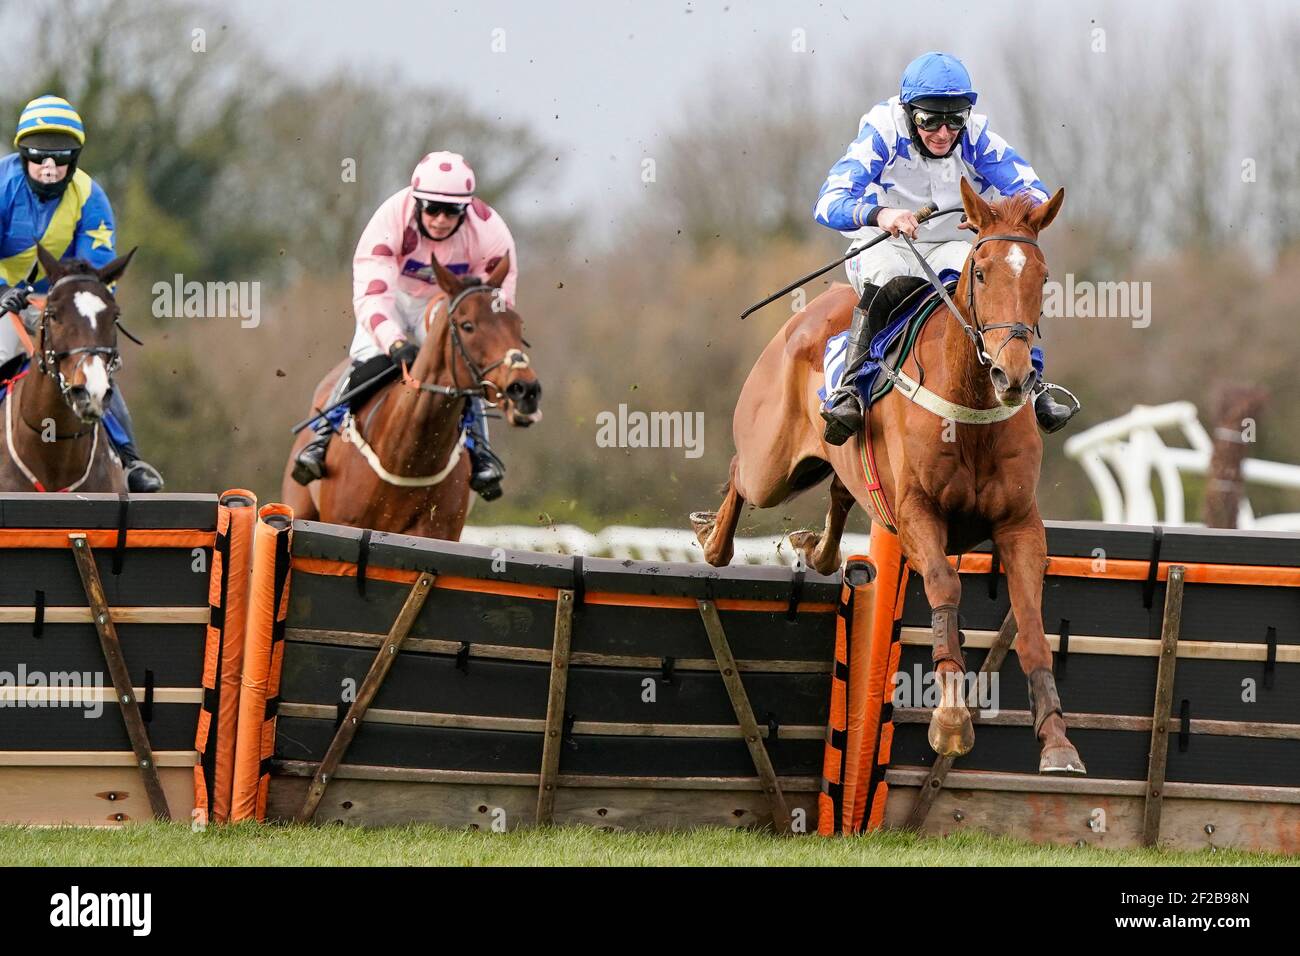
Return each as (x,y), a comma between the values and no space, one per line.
(911,302)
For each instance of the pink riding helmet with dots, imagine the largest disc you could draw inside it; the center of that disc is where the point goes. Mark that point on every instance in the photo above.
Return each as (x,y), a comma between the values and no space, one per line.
(443,177)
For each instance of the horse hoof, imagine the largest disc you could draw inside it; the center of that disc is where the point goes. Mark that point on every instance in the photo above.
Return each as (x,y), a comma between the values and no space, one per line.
(1061,759)
(951,731)
(804,540)
(703,522)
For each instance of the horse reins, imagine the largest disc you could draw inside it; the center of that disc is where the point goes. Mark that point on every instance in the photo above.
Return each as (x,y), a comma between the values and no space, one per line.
(513,358)
(47,363)
(976,333)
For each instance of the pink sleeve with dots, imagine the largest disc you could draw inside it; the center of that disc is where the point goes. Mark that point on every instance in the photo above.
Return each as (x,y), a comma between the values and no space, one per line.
(376,267)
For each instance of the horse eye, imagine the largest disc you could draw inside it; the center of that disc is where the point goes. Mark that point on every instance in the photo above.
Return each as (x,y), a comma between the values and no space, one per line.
(467,326)
(979,275)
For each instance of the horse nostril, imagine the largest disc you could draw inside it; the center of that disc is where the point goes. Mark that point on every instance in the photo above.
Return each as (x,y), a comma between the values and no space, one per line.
(1000,380)
(523,391)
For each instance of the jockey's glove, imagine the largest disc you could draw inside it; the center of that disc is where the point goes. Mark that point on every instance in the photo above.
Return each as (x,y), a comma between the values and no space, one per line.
(14,300)
(404,351)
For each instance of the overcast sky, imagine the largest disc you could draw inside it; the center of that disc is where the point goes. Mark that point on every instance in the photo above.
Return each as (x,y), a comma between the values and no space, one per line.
(602,80)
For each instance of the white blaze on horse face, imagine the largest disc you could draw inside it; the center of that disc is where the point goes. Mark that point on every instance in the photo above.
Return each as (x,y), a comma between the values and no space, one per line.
(89,305)
(1016,259)
(96,378)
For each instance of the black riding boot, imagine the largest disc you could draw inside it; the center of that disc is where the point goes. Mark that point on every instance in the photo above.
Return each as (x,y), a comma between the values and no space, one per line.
(843,408)
(309,466)
(1052,415)
(487,469)
(141,477)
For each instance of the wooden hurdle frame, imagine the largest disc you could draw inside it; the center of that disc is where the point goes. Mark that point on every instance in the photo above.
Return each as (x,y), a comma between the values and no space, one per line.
(1110,812)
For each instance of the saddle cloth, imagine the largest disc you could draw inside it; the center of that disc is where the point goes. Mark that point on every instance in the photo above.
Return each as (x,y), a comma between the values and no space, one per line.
(891,345)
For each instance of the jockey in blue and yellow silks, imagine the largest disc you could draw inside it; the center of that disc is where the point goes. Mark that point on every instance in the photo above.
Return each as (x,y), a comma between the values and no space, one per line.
(45,198)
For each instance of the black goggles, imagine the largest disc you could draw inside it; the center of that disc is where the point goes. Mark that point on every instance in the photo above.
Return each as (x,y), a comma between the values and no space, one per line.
(61,157)
(433,207)
(931,121)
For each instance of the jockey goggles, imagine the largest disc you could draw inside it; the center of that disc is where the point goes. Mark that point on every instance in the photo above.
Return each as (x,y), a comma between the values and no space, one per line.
(61,157)
(433,207)
(930,121)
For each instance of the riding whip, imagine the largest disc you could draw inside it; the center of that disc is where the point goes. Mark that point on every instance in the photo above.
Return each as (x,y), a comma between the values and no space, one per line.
(928,211)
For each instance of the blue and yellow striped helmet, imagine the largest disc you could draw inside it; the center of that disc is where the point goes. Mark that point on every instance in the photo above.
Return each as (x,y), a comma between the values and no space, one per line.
(50,114)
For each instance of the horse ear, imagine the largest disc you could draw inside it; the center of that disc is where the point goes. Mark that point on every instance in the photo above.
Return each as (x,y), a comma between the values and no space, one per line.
(978,212)
(48,263)
(446,280)
(113,271)
(500,272)
(1043,214)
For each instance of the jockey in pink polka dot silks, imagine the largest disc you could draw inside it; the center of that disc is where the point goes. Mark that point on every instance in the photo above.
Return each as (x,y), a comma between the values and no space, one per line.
(393,285)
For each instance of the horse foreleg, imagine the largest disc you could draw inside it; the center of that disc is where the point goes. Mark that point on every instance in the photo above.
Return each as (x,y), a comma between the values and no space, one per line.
(1023,549)
(716,530)
(923,535)
(821,552)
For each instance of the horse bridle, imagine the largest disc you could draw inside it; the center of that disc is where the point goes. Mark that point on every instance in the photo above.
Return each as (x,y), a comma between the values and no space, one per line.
(1018,329)
(513,358)
(976,333)
(48,359)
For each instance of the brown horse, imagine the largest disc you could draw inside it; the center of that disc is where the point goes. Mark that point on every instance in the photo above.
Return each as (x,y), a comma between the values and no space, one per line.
(55,439)
(402,466)
(952,484)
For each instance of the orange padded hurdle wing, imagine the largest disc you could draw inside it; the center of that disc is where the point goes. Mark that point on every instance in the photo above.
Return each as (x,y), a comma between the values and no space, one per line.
(268,606)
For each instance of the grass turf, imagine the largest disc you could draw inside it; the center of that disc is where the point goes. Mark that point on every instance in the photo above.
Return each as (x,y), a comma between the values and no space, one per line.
(162,844)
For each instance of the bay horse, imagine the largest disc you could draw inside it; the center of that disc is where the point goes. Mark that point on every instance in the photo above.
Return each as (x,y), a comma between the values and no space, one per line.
(953,484)
(55,439)
(400,464)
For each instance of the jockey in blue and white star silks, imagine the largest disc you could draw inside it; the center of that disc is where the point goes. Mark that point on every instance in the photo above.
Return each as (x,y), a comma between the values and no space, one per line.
(45,198)
(913,149)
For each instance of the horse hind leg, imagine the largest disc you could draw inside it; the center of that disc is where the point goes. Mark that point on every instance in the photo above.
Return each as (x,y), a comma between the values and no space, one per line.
(716,530)
(821,552)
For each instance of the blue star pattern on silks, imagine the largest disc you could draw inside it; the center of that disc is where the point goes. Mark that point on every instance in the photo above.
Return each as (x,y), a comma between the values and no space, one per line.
(880,168)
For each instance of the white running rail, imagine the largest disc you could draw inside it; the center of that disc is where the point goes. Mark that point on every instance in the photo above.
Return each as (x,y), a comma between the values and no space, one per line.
(1123,455)
(641,544)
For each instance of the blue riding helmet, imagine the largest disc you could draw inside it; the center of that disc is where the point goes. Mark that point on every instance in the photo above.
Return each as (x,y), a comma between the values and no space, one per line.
(938,83)
(940,75)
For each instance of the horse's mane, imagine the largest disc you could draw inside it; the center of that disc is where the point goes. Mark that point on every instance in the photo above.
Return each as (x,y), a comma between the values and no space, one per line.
(470,280)
(1014,210)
